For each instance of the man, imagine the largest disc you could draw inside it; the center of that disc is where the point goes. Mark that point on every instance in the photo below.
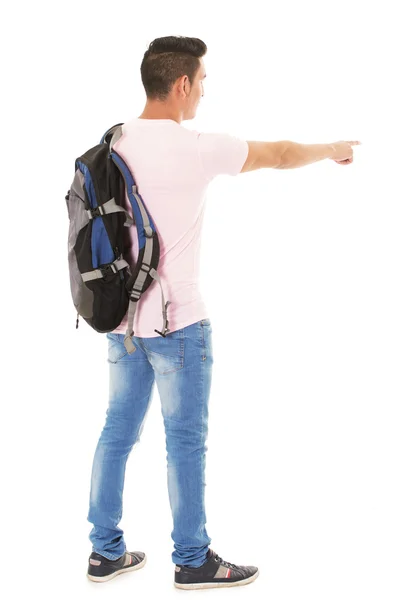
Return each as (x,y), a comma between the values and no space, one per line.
(172,167)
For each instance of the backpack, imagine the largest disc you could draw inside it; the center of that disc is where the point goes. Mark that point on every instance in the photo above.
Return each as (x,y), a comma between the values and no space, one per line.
(103,284)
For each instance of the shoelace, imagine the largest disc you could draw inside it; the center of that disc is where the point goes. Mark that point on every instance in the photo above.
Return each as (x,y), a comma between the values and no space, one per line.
(224,562)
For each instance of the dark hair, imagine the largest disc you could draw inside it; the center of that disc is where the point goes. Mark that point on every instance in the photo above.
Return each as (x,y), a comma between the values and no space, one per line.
(167,59)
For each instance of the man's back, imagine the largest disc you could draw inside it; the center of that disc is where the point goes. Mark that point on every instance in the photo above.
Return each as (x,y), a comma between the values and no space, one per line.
(172,167)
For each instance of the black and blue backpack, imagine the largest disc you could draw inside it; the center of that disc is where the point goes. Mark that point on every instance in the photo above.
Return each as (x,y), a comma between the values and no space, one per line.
(103,284)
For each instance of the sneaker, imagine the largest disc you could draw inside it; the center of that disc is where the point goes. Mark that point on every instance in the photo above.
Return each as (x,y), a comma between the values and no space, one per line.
(215,572)
(103,569)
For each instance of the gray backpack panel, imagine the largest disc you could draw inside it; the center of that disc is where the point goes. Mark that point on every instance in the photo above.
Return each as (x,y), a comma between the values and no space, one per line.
(83,298)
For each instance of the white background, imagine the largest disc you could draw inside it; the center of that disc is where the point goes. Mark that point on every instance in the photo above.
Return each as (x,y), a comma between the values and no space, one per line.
(298,272)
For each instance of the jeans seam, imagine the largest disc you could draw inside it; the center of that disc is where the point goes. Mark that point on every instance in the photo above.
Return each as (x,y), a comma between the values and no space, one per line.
(204,355)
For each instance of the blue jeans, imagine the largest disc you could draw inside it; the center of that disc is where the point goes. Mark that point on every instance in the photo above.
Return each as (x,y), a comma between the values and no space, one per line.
(181,363)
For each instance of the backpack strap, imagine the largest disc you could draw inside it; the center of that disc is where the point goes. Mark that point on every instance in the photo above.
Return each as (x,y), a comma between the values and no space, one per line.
(129,346)
(144,271)
(115,266)
(143,223)
(109,207)
(164,304)
(112,135)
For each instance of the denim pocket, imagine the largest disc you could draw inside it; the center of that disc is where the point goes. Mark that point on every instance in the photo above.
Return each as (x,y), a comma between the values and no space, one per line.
(116,348)
(166,354)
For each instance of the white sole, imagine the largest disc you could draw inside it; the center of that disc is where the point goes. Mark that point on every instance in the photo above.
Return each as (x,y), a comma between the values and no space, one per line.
(213,584)
(112,575)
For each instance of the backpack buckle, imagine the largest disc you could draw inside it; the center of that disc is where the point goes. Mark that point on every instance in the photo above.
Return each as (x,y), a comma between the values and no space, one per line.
(135,294)
(95,212)
(107,270)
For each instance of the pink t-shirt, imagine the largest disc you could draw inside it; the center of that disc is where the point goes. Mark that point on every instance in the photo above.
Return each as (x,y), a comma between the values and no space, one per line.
(172,167)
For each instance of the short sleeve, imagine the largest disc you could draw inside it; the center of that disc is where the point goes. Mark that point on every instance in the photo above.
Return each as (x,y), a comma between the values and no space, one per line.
(221,154)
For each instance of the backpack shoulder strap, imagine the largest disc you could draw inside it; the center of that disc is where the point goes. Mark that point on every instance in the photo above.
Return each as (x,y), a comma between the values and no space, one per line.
(110,134)
(149,253)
